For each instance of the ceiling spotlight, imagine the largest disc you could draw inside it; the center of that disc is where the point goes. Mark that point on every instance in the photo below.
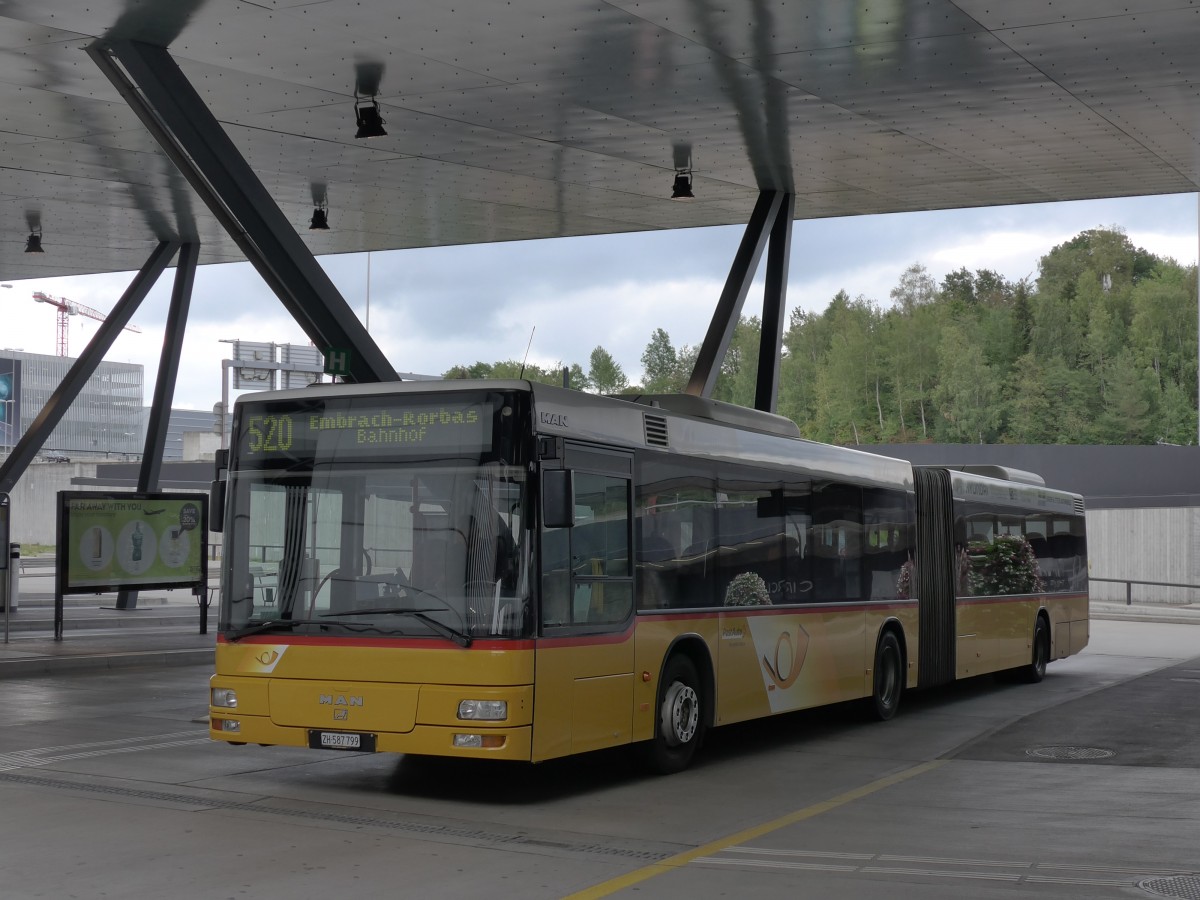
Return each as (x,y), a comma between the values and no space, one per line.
(34,243)
(682,189)
(370,123)
(320,220)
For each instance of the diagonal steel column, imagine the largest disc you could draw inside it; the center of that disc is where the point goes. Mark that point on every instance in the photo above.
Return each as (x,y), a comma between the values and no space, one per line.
(60,401)
(162,97)
(770,346)
(168,369)
(164,385)
(729,306)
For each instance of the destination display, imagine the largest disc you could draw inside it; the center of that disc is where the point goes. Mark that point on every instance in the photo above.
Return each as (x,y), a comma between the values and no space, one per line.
(132,541)
(364,427)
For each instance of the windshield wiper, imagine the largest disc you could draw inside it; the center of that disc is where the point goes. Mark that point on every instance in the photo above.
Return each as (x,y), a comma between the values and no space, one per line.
(453,634)
(289,624)
(270,625)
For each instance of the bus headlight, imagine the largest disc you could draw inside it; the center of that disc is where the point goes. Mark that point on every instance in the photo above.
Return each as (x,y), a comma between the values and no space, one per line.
(226,698)
(487,710)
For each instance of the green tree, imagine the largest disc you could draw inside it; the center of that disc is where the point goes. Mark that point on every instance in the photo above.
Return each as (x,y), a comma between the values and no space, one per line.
(1175,422)
(1128,416)
(1105,253)
(806,343)
(912,340)
(1163,330)
(577,379)
(916,288)
(605,374)
(660,365)
(958,287)
(1030,404)
(739,370)
(849,397)
(968,392)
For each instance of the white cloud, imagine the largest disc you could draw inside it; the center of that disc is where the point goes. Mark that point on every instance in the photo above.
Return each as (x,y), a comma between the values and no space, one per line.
(1181,247)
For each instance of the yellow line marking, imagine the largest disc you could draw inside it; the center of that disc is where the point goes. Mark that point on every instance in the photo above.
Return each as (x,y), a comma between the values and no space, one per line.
(672,863)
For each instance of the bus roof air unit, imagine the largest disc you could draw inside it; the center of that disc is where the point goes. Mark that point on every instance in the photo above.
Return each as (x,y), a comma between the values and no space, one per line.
(1003,473)
(719,411)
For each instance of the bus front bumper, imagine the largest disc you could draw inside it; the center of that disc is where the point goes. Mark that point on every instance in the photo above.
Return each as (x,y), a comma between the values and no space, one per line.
(467,740)
(493,722)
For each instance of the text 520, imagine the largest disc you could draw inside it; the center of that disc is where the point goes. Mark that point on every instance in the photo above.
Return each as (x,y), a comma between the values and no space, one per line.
(269,434)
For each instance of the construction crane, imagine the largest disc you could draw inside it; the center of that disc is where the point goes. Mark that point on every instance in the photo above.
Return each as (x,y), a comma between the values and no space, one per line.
(71,308)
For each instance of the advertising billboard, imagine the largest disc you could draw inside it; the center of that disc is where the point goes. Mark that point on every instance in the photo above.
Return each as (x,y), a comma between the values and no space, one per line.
(110,541)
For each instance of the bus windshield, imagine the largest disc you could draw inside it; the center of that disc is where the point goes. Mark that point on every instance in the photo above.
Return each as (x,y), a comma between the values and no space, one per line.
(336,544)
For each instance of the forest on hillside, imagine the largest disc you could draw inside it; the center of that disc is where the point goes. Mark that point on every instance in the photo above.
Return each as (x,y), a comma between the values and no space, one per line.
(1101,349)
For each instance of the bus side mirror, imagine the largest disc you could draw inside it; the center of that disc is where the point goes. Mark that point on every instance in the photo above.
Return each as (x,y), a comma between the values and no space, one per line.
(216,492)
(558,498)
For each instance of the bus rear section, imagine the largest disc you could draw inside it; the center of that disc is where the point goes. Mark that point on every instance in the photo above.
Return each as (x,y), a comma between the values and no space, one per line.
(1002,573)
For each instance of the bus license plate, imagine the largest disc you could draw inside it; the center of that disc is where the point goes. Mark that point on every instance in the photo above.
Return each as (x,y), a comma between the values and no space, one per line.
(341,740)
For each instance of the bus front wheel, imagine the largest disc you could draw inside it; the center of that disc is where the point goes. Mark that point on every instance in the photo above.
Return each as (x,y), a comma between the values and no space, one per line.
(679,725)
(888,677)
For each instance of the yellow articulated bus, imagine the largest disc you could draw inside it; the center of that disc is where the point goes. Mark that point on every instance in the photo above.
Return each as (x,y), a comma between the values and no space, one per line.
(506,570)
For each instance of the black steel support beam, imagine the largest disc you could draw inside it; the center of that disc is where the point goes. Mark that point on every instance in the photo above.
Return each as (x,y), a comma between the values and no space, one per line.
(77,376)
(162,97)
(770,346)
(168,369)
(737,285)
(164,385)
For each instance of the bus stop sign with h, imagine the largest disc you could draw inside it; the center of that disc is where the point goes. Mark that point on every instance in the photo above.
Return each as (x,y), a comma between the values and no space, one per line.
(337,362)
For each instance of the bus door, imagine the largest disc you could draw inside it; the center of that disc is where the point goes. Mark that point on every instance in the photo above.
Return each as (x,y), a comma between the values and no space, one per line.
(583,692)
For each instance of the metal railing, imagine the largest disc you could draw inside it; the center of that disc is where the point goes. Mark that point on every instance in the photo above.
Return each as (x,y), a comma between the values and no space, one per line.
(1130,582)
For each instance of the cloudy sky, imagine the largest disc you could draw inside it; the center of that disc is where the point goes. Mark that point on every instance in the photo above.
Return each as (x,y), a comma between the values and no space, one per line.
(432,309)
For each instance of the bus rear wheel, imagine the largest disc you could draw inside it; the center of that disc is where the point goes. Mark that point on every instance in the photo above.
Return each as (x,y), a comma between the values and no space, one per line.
(1036,670)
(888,677)
(679,725)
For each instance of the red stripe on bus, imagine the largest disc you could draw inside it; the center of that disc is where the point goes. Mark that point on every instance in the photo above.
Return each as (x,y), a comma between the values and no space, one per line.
(1017,598)
(805,610)
(431,643)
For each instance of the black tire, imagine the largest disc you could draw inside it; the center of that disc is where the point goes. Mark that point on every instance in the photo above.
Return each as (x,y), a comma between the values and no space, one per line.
(1036,670)
(679,723)
(888,677)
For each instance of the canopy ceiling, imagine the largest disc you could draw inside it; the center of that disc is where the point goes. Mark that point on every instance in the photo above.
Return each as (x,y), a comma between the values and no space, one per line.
(542,118)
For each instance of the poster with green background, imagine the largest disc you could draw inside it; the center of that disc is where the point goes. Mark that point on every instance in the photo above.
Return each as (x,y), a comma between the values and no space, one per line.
(110,541)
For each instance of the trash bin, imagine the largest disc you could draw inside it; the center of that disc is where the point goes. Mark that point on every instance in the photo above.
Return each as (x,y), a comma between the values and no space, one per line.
(14,575)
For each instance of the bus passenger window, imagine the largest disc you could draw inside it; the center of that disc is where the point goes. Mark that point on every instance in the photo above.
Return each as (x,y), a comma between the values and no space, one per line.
(676,534)
(837,542)
(888,542)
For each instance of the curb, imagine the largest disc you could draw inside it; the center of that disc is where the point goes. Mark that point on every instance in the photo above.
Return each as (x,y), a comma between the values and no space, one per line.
(45,665)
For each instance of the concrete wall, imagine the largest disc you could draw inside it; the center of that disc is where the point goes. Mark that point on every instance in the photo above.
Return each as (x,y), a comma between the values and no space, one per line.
(33,497)
(1145,545)
(200,445)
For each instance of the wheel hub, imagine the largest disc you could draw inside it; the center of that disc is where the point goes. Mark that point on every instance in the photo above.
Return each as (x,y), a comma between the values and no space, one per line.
(680,714)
